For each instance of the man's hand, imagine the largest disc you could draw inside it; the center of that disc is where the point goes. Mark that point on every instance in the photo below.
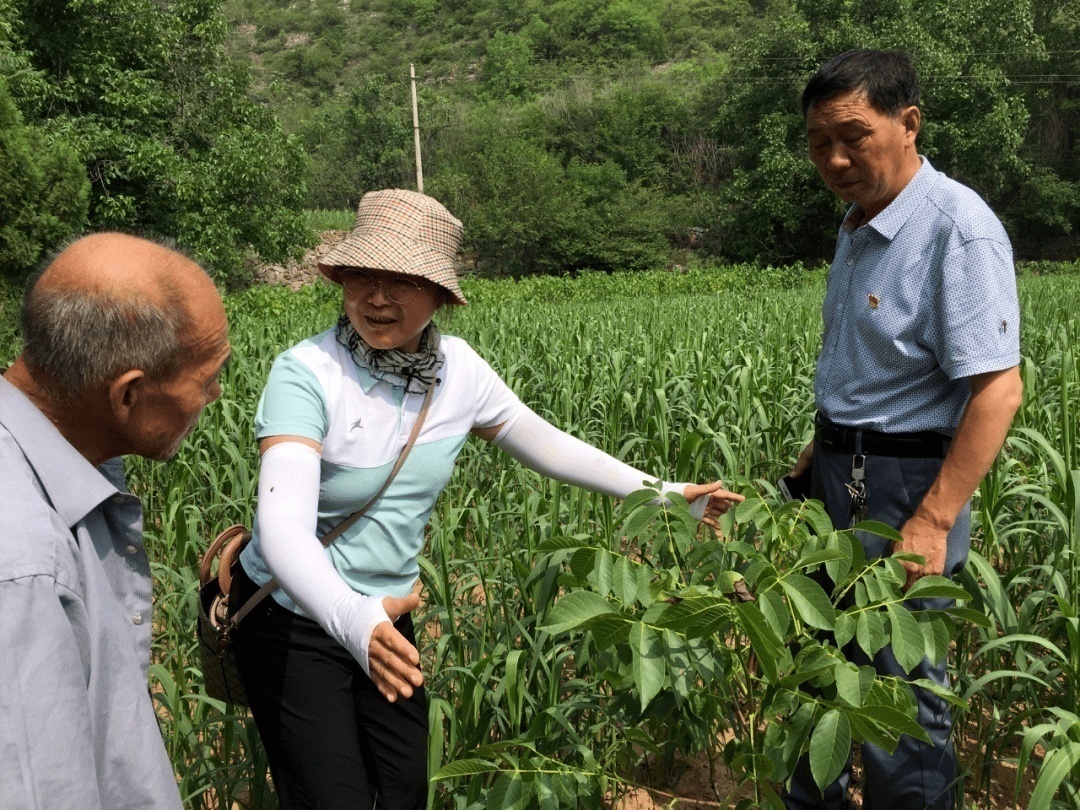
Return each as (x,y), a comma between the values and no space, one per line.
(927,540)
(720,500)
(995,397)
(393,662)
(802,464)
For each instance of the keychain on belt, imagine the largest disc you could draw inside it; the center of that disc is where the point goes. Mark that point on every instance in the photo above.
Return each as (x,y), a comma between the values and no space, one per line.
(857,488)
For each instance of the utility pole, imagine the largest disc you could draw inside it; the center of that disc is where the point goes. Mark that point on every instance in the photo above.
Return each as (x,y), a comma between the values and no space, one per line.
(416,132)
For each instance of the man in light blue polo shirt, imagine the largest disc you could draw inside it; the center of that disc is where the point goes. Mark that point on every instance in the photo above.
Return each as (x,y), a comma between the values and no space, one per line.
(123,341)
(917,382)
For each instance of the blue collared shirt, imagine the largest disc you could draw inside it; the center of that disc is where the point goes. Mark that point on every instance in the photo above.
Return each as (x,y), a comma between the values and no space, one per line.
(919,298)
(77,726)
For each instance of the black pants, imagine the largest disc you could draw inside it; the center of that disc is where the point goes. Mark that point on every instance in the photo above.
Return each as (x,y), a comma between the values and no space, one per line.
(333,741)
(917,776)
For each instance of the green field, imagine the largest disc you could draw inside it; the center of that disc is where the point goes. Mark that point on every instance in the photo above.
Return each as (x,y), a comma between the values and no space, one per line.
(691,377)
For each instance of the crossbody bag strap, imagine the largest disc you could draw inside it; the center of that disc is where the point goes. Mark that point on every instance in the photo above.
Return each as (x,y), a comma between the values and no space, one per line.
(342,527)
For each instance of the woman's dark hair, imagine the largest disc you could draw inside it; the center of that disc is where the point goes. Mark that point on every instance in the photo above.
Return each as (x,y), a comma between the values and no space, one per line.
(887,78)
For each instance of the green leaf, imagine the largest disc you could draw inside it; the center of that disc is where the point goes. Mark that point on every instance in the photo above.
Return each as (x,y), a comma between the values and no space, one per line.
(814,513)
(775,611)
(1022,638)
(464,767)
(697,616)
(749,509)
(1058,764)
(894,720)
(574,610)
(564,542)
(839,568)
(971,616)
(880,529)
(810,600)
(818,557)
(603,572)
(830,747)
(936,588)
(796,733)
(937,637)
(844,629)
(582,562)
(766,644)
(610,629)
(624,581)
(942,692)
(508,792)
(870,632)
(649,667)
(852,682)
(907,640)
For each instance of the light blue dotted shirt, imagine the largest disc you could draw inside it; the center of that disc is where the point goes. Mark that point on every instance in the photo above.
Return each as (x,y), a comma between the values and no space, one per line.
(77,724)
(919,298)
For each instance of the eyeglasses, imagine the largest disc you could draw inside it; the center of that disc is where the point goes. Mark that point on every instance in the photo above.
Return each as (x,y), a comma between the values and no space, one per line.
(399,289)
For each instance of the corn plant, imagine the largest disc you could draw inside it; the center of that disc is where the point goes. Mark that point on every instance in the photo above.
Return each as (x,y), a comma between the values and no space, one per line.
(689,377)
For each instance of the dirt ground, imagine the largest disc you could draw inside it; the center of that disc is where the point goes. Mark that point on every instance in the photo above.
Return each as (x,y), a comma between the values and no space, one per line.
(693,787)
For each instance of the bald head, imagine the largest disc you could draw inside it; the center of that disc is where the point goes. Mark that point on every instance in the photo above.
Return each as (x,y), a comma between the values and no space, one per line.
(112,302)
(120,267)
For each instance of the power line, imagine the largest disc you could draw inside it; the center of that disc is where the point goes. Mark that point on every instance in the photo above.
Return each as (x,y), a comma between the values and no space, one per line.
(913,53)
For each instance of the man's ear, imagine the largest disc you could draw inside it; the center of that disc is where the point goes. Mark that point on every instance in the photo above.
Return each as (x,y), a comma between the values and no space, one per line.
(124,392)
(911,118)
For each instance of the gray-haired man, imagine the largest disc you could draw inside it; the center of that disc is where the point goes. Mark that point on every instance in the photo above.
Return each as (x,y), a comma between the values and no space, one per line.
(917,380)
(123,344)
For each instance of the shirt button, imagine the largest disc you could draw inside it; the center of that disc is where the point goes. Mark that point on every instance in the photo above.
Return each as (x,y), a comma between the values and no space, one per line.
(132,550)
(850,262)
(137,618)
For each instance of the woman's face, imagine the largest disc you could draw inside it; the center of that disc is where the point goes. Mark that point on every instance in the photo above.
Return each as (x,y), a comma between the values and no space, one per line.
(389,310)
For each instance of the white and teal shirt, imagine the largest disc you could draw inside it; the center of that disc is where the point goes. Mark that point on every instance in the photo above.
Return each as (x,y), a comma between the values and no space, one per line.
(318,391)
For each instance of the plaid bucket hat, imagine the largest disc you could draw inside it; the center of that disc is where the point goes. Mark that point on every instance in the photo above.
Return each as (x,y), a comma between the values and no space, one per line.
(401,232)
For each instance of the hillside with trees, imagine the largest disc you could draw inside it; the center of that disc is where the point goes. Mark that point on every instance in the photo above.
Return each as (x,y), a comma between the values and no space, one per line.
(570,135)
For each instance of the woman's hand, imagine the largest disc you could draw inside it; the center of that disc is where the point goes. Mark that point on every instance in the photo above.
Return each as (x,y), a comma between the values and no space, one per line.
(720,500)
(393,662)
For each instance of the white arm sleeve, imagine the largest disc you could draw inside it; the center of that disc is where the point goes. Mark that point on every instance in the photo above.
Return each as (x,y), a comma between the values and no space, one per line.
(288,512)
(544,448)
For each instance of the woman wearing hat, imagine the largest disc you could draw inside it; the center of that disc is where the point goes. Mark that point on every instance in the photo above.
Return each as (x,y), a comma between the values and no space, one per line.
(333,680)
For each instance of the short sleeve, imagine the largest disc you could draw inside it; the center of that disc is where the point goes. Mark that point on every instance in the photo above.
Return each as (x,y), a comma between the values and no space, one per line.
(495,403)
(978,315)
(293,402)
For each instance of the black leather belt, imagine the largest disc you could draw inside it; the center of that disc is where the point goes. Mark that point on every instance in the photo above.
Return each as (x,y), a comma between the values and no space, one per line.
(841,439)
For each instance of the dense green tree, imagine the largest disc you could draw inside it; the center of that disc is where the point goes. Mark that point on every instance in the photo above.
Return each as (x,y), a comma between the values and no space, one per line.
(508,69)
(526,211)
(1046,203)
(162,123)
(631,123)
(361,141)
(975,121)
(43,191)
(688,103)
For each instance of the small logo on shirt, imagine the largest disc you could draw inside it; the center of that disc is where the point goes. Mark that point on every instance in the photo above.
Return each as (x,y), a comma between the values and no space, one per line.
(874,301)
(359,423)
(1004,327)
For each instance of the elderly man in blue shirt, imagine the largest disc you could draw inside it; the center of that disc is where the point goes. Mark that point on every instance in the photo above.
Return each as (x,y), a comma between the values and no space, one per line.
(917,381)
(123,343)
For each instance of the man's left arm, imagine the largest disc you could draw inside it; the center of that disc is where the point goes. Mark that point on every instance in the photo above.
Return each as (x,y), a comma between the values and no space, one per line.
(995,398)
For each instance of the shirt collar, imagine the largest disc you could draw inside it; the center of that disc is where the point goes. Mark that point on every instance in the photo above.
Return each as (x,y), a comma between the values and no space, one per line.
(74,487)
(889,222)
